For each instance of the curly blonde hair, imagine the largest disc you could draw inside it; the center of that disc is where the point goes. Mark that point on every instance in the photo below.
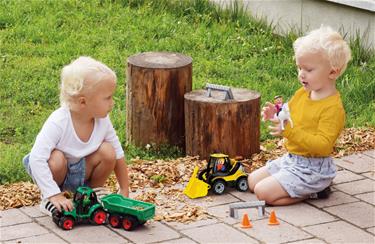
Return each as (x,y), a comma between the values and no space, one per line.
(327,41)
(81,75)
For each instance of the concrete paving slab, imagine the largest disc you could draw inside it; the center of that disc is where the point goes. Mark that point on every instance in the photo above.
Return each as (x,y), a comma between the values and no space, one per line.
(183,226)
(218,233)
(358,163)
(357,187)
(336,198)
(212,200)
(346,176)
(367,197)
(19,231)
(84,233)
(275,233)
(340,232)
(370,175)
(308,241)
(13,216)
(222,213)
(245,196)
(46,238)
(371,230)
(301,214)
(370,153)
(179,241)
(151,232)
(357,213)
(32,211)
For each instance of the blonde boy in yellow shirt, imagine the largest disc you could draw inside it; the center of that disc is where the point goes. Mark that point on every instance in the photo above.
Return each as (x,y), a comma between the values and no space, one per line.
(318,118)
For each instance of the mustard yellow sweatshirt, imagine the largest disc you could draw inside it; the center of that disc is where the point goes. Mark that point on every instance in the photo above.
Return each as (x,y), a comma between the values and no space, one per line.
(316,124)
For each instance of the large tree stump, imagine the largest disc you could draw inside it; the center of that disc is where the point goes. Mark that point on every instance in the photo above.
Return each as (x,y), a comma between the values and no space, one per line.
(215,125)
(156,84)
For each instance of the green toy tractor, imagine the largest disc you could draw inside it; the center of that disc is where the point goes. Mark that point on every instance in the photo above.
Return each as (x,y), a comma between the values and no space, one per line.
(86,209)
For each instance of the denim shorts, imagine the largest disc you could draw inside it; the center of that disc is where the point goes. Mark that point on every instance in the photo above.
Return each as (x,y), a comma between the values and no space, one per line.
(74,178)
(301,176)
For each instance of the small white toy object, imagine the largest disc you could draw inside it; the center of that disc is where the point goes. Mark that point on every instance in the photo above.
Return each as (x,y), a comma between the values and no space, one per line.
(283,115)
(233,207)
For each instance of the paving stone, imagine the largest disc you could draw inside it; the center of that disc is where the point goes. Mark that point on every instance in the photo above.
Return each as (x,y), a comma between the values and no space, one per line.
(275,233)
(358,163)
(84,233)
(183,226)
(340,232)
(370,175)
(335,198)
(358,213)
(46,238)
(301,214)
(180,241)
(245,196)
(222,213)
(371,230)
(212,200)
(346,176)
(367,197)
(150,232)
(308,241)
(13,216)
(20,231)
(370,153)
(218,233)
(357,187)
(33,211)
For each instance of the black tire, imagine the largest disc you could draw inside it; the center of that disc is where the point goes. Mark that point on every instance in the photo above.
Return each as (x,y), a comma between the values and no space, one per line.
(129,222)
(66,223)
(218,187)
(115,220)
(241,184)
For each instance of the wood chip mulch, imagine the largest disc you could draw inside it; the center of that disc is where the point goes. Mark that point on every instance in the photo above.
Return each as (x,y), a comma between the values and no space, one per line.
(161,181)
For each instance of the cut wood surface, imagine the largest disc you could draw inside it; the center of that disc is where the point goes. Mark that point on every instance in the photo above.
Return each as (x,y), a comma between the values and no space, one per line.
(156,84)
(227,126)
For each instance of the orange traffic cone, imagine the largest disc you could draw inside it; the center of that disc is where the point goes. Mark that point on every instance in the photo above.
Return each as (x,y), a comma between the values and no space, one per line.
(246,222)
(273,220)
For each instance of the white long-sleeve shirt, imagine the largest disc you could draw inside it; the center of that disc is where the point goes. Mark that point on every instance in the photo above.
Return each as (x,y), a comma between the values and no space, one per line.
(58,133)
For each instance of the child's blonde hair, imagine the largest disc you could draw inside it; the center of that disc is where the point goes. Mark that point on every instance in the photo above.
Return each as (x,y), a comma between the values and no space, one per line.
(328,41)
(81,75)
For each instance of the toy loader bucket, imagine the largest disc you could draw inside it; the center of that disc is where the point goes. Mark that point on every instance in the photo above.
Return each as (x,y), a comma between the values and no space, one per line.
(195,187)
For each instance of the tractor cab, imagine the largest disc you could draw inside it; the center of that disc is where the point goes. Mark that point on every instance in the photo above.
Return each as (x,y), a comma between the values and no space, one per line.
(83,199)
(219,164)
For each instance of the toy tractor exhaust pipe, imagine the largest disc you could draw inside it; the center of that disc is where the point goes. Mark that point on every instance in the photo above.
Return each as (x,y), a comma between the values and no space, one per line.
(195,187)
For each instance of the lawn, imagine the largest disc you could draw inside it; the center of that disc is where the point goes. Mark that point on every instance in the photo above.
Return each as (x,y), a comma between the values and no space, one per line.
(37,38)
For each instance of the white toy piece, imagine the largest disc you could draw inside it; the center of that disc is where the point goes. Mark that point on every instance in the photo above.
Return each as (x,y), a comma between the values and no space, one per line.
(283,115)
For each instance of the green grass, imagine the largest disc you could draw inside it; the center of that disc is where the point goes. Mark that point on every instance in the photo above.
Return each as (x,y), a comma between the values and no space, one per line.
(37,38)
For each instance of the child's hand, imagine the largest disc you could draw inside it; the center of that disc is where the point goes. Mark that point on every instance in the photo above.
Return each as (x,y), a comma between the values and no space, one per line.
(276,127)
(268,111)
(61,202)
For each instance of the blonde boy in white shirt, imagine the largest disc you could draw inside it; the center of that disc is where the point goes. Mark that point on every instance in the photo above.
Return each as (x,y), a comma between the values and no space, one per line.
(77,145)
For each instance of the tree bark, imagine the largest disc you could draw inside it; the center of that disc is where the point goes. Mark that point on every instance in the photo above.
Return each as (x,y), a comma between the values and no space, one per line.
(214,125)
(156,84)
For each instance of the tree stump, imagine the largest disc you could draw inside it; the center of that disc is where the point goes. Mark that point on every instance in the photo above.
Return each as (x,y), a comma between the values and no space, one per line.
(156,84)
(227,126)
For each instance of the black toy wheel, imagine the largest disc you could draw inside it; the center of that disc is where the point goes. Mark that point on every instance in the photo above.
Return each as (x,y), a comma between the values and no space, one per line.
(241,184)
(219,187)
(99,217)
(66,223)
(129,222)
(115,220)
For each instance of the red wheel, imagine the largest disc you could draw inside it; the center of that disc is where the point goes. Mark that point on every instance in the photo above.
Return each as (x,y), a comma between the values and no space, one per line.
(129,222)
(99,217)
(114,220)
(67,223)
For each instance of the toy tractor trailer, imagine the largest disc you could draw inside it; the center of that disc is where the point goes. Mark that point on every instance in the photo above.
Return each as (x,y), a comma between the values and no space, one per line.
(126,212)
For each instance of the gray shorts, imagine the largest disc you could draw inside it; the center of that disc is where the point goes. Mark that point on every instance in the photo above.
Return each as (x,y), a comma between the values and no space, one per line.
(74,178)
(301,176)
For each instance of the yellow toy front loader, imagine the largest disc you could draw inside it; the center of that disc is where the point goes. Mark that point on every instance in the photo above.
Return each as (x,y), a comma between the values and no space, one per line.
(221,171)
